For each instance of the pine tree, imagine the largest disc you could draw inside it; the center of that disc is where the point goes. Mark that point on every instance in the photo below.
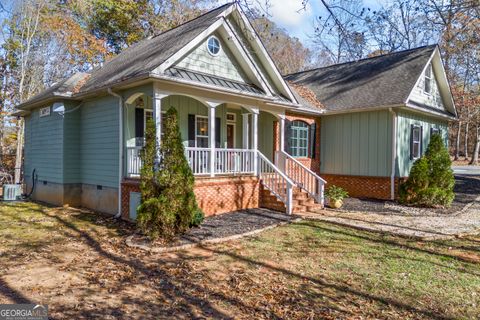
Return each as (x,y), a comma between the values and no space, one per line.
(168,202)
(431,179)
(441,175)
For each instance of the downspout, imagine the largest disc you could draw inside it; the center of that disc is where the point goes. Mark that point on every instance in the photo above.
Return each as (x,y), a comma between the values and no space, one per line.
(120,149)
(394,153)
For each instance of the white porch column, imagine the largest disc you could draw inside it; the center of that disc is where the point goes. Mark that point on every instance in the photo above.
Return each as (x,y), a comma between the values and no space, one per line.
(255,113)
(246,130)
(211,134)
(157,115)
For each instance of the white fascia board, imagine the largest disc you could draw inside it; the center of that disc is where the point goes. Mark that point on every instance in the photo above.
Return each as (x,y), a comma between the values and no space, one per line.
(430,112)
(444,79)
(333,112)
(246,59)
(442,76)
(419,77)
(265,57)
(190,46)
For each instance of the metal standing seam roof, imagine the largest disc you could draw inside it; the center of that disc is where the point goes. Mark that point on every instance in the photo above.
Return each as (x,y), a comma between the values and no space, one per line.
(213,80)
(384,80)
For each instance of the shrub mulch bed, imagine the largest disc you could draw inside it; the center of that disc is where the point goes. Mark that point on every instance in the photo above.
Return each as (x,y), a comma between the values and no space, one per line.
(218,228)
(467,190)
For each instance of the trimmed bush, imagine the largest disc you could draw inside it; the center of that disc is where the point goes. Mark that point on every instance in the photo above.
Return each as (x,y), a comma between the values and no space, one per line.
(431,179)
(168,202)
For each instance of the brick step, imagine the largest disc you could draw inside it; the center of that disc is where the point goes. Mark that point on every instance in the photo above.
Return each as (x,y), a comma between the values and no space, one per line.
(301,201)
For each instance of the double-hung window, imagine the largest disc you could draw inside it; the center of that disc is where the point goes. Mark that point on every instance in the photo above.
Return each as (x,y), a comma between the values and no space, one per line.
(416,142)
(299,139)
(428,80)
(201,131)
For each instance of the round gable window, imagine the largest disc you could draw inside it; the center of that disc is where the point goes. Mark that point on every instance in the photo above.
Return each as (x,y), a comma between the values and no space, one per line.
(213,46)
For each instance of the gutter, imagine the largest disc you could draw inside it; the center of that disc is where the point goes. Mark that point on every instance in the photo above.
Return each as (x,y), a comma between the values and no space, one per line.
(394,153)
(120,149)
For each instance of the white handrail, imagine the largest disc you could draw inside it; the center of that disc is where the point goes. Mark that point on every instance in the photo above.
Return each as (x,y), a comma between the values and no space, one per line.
(303,177)
(276,181)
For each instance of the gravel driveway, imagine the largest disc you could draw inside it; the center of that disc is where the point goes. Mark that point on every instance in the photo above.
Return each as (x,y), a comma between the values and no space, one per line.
(386,216)
(467,189)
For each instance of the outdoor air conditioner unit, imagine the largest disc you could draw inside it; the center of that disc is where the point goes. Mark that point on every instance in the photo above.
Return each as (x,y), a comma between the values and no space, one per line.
(11,192)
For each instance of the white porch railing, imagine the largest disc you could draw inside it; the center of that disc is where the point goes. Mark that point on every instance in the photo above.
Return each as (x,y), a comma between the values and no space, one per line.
(134,162)
(276,181)
(199,160)
(303,177)
(234,161)
(227,161)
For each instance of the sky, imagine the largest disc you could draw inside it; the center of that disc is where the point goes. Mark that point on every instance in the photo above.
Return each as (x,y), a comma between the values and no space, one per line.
(298,22)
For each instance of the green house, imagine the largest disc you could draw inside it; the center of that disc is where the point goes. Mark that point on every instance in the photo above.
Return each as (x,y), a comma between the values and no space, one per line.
(253,138)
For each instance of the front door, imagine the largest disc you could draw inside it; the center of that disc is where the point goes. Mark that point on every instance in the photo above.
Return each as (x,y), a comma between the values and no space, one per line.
(230,136)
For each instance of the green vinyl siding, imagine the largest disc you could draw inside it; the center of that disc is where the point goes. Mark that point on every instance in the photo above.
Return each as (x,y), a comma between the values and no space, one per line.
(99,142)
(265,134)
(222,65)
(71,143)
(44,146)
(356,144)
(186,105)
(405,119)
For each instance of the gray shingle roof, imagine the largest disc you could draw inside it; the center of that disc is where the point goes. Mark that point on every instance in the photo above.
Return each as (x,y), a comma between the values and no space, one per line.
(148,54)
(373,82)
(64,88)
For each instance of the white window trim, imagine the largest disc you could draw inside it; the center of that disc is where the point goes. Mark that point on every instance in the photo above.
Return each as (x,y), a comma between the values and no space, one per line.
(234,117)
(430,78)
(307,147)
(419,142)
(145,110)
(229,123)
(219,46)
(197,135)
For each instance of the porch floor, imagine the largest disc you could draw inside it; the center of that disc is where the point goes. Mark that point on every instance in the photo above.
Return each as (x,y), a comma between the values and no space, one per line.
(220,228)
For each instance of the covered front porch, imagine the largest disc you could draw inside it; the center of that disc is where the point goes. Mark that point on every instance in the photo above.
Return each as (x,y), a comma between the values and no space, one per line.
(220,138)
(224,141)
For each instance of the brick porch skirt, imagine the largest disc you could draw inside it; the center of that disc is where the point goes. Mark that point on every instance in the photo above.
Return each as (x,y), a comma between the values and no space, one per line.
(363,186)
(214,195)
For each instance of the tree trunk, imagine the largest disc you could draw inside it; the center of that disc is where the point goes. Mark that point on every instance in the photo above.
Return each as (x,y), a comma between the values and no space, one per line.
(457,141)
(19,152)
(466,141)
(476,149)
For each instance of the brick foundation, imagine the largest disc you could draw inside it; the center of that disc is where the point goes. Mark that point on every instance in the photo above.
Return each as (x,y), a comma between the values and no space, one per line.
(214,195)
(363,187)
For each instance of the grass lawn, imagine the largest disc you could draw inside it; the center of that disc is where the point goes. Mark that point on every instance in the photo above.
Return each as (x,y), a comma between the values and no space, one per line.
(78,264)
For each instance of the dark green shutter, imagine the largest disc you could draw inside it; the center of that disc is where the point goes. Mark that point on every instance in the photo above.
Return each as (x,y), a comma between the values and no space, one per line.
(217,132)
(313,139)
(191,130)
(139,120)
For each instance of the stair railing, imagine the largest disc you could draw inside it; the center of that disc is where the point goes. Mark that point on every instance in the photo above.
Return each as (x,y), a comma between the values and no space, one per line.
(303,177)
(276,181)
